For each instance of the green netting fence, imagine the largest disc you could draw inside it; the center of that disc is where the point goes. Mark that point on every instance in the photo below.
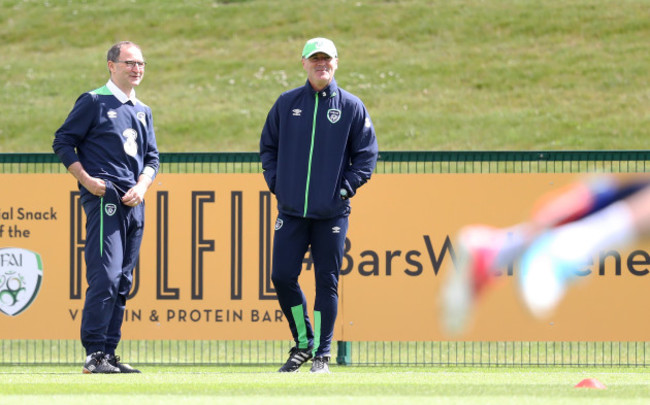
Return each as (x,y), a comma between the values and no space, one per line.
(627,161)
(396,353)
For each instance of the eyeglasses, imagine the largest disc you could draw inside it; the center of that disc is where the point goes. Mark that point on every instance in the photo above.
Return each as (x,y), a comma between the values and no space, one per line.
(131,63)
(320,57)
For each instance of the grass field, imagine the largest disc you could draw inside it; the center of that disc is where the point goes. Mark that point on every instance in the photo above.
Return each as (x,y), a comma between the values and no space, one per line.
(444,75)
(345,385)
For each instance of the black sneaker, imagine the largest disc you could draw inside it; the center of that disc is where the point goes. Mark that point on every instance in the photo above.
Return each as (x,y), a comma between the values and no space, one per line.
(124,368)
(320,365)
(96,363)
(297,357)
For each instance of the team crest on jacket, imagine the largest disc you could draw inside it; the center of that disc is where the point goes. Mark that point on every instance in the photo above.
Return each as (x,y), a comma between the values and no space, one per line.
(110,209)
(333,115)
(278,224)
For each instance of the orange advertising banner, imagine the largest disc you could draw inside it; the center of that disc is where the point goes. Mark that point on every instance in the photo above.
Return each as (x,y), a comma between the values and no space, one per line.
(205,264)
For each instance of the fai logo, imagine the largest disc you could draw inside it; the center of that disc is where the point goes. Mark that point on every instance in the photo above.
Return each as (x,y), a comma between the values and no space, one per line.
(21,274)
(130,146)
(142,117)
(278,224)
(333,115)
(110,209)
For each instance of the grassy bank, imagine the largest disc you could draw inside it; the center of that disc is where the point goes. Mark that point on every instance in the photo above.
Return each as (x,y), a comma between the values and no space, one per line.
(453,75)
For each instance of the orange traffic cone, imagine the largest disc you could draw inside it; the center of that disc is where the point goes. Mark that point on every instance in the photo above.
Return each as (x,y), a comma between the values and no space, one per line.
(591,383)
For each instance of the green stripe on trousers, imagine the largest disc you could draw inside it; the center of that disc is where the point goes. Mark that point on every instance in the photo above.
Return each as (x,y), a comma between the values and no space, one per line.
(299,318)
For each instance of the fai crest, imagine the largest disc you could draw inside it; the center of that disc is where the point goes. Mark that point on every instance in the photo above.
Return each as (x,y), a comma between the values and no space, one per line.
(278,224)
(333,115)
(110,209)
(21,274)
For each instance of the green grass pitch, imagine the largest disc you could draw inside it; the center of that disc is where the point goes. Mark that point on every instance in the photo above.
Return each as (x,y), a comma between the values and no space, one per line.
(345,385)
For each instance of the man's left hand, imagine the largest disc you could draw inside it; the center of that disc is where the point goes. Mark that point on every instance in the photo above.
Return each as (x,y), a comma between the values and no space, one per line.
(135,195)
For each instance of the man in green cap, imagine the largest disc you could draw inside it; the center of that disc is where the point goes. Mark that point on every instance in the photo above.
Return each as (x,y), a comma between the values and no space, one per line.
(318,146)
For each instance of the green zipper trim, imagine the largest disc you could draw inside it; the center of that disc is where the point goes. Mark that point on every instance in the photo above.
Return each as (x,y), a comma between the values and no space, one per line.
(317,329)
(311,154)
(101,227)
(299,319)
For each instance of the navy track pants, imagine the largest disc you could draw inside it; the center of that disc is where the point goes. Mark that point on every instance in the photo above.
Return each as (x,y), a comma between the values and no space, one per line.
(113,236)
(293,236)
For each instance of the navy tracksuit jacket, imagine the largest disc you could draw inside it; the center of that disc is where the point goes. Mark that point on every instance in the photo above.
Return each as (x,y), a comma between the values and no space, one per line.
(314,144)
(114,141)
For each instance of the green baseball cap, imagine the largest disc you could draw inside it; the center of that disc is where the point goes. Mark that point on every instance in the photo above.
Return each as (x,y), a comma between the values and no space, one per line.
(316,45)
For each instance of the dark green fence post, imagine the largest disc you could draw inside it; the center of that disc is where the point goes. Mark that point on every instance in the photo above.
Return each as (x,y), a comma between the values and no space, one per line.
(343,356)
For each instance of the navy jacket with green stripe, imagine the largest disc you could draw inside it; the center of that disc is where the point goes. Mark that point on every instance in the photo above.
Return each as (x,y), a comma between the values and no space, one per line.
(314,144)
(113,141)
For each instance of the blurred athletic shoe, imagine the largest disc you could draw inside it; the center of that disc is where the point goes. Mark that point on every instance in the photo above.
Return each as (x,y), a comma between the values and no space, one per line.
(547,268)
(479,253)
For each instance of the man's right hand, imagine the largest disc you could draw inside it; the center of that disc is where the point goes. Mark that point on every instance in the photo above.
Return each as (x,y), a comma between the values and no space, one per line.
(95,185)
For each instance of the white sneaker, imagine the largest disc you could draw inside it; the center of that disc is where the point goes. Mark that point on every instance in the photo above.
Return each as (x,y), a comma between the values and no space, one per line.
(477,248)
(320,365)
(546,271)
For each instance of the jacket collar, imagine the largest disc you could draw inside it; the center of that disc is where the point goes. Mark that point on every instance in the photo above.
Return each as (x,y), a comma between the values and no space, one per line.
(119,94)
(330,91)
